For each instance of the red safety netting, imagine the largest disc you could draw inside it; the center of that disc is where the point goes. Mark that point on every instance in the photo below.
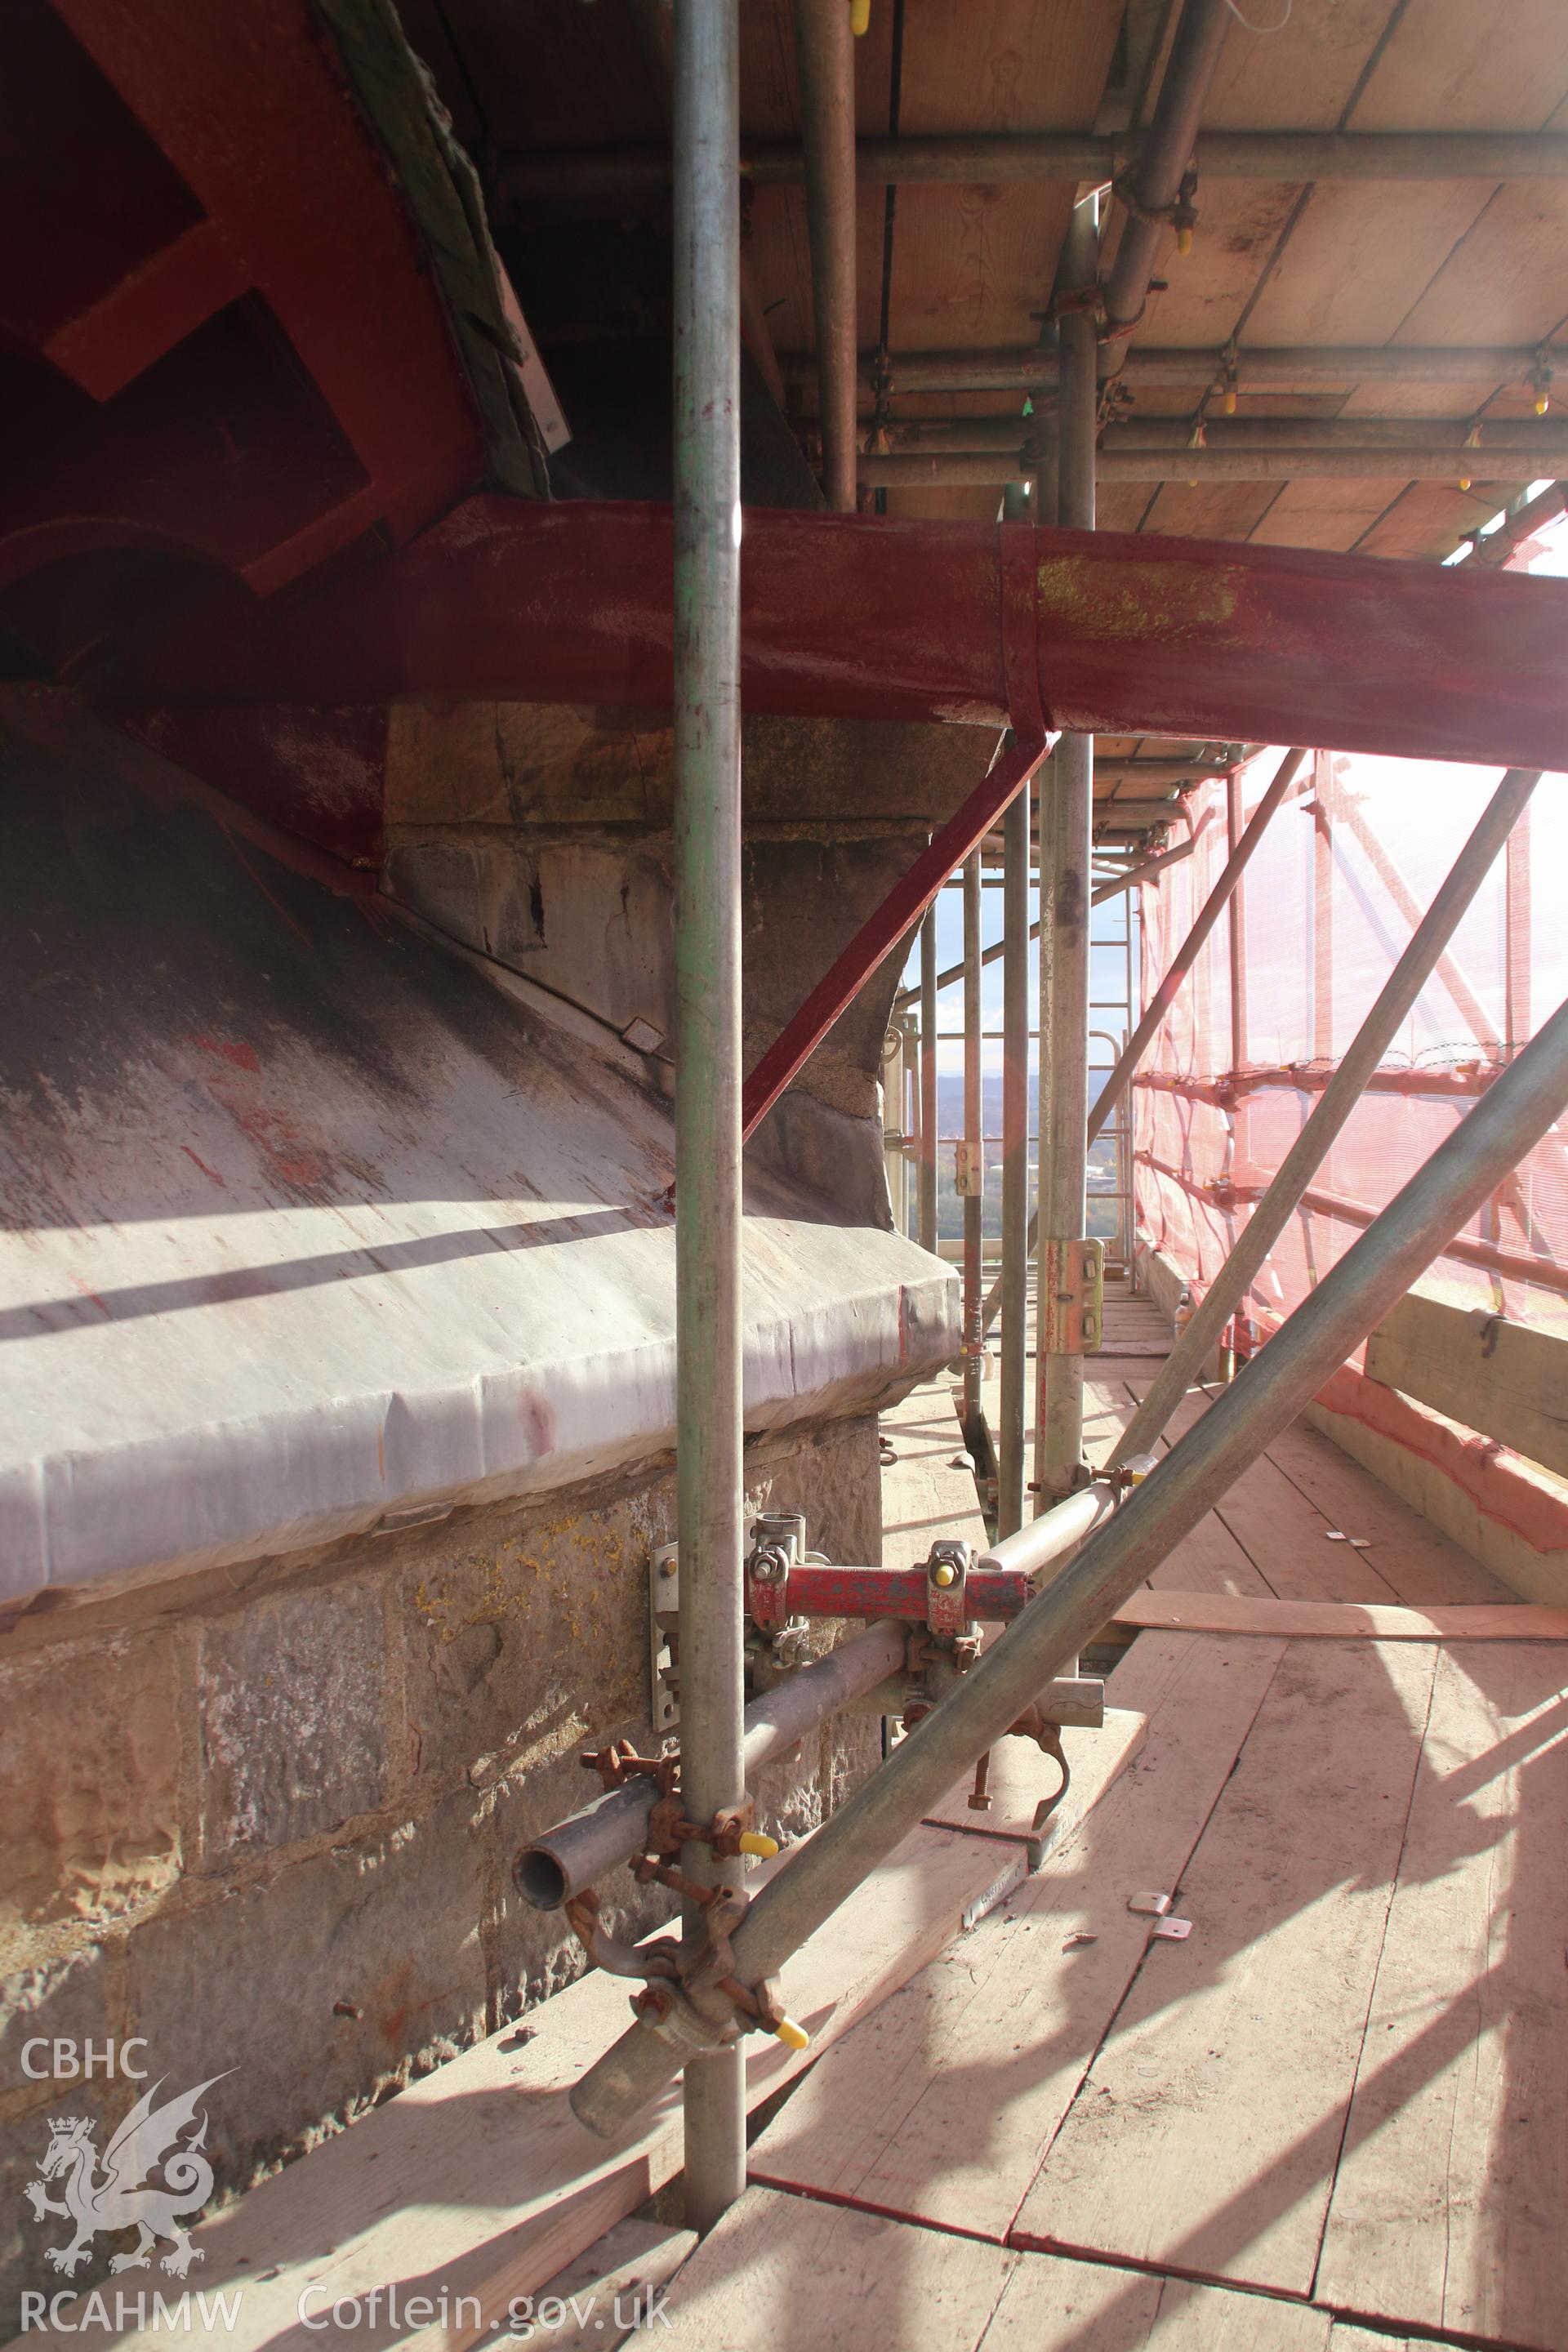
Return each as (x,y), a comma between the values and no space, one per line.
(1345,869)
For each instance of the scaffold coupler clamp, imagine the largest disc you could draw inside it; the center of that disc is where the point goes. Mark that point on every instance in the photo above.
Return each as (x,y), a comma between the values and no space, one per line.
(948,1564)
(1130,1474)
(619,1763)
(767,1585)
(1072,1288)
(660,1959)
(665,2011)
(732,1831)
(711,1968)
(778,1544)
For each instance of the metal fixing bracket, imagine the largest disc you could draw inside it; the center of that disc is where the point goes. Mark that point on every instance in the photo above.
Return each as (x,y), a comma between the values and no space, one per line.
(1074,1699)
(663,1618)
(778,1544)
(1073,1273)
(968,1170)
(947,1581)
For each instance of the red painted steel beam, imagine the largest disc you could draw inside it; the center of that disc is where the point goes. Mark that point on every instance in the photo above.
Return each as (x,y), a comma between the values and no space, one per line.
(990,1596)
(862,616)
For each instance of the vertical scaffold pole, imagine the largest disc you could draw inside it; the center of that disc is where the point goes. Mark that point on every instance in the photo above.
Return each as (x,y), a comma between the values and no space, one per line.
(931,1148)
(973,1130)
(709,1479)
(1187,954)
(1066,840)
(1014,1164)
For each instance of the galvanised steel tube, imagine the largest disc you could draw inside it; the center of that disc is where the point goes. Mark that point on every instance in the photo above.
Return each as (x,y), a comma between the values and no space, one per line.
(1067,857)
(1140,872)
(825,54)
(994,953)
(1434,462)
(1187,954)
(575,1852)
(1015,1164)
(1527,435)
(977,436)
(1535,513)
(973,1130)
(1163,163)
(930,1144)
(573,183)
(710,1497)
(1040,1543)
(1506,1123)
(1030,368)
(1332,1108)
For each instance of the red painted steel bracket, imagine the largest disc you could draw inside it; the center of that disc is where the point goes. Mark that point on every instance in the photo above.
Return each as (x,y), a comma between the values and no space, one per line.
(896,916)
(947,1578)
(1017,757)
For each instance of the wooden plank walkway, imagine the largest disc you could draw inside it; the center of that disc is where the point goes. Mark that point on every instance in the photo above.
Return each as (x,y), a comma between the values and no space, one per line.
(1338,1620)
(478,2186)
(1329,2118)
(1333,2115)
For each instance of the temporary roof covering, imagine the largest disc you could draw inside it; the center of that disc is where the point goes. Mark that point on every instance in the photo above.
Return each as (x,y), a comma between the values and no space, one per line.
(308,1219)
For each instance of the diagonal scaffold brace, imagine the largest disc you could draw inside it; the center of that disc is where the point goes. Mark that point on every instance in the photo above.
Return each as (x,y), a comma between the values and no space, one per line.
(1015,761)
(1508,1121)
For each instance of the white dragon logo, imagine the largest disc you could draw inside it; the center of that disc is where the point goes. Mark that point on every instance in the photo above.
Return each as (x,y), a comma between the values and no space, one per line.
(125,2197)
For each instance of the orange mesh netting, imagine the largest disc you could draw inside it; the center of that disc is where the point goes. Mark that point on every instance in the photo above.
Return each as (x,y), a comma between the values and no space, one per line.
(1328,902)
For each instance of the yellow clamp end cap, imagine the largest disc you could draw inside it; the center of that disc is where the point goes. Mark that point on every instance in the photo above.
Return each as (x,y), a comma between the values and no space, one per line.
(793,2036)
(1184,241)
(1230,404)
(756,1842)
(859,16)
(944,1574)
(1541,403)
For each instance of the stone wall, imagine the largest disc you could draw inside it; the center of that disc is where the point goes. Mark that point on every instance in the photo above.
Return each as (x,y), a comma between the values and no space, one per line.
(541,835)
(264,1818)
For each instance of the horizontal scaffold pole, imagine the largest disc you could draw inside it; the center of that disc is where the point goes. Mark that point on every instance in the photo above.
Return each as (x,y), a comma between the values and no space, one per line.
(546,181)
(1272,367)
(1434,461)
(1532,438)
